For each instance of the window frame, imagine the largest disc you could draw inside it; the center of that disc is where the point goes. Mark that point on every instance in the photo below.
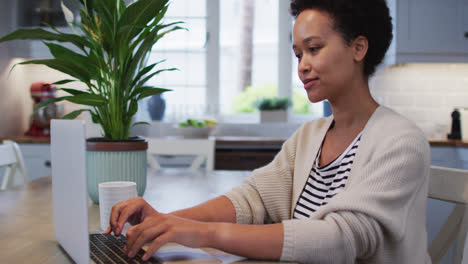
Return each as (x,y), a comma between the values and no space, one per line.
(212,67)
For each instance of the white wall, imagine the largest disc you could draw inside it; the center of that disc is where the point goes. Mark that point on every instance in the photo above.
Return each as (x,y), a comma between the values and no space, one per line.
(16,103)
(425,93)
(12,105)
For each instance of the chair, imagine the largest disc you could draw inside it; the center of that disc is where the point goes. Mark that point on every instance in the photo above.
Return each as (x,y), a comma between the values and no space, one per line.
(450,185)
(202,148)
(12,159)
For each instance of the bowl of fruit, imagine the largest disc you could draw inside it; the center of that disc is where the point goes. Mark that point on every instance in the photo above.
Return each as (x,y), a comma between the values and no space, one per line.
(196,128)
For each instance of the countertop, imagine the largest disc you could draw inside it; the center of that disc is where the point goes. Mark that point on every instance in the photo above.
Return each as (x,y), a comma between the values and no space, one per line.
(28,139)
(247,141)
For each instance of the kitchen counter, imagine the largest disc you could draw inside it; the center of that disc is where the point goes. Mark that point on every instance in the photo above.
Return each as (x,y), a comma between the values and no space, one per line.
(448,143)
(28,139)
(228,141)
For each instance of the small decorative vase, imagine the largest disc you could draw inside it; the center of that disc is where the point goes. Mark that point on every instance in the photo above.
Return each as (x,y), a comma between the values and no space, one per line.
(273,116)
(110,160)
(156,107)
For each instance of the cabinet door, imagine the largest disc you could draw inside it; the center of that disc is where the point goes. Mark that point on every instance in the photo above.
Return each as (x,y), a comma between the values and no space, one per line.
(445,157)
(433,26)
(465,25)
(36,160)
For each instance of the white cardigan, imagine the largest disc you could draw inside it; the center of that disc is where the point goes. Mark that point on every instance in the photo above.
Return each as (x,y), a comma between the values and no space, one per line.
(380,216)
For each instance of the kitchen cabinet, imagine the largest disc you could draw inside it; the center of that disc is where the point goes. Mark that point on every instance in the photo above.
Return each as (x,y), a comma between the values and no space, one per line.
(34,14)
(429,31)
(36,160)
(245,153)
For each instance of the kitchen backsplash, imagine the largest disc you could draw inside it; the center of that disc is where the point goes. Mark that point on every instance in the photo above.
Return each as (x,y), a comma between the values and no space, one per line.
(425,93)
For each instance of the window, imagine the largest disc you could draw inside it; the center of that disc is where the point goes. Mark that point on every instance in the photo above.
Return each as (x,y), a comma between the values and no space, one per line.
(185,50)
(219,51)
(248,52)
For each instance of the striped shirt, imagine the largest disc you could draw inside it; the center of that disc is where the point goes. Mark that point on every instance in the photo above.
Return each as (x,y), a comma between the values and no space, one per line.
(326,181)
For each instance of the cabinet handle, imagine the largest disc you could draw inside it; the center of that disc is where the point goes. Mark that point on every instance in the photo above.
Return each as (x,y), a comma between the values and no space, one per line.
(466,34)
(47,163)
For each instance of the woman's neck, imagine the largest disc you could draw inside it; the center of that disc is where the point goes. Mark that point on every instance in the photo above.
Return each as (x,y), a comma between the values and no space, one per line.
(352,110)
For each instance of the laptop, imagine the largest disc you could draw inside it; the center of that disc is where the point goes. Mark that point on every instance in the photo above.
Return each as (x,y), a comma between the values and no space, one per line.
(70,200)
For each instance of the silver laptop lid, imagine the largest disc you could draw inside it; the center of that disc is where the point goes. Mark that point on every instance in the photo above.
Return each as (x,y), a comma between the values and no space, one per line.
(69,190)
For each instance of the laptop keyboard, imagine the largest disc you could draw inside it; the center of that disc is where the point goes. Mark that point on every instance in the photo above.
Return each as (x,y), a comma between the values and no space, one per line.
(109,249)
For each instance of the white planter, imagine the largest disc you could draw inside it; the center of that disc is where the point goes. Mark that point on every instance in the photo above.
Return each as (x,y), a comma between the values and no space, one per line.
(273,116)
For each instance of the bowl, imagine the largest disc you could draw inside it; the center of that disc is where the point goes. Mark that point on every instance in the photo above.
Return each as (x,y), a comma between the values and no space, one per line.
(195,132)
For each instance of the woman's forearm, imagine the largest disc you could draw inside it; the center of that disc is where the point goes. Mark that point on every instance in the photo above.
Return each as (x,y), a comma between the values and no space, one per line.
(219,209)
(252,241)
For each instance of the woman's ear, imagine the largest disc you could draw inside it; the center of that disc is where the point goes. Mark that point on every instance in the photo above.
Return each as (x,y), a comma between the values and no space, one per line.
(360,46)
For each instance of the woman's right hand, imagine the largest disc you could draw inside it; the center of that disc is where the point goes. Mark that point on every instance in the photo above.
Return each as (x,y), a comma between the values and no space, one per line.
(134,211)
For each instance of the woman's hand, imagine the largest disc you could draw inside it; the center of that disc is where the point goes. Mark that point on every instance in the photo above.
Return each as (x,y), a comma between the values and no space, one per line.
(163,228)
(134,211)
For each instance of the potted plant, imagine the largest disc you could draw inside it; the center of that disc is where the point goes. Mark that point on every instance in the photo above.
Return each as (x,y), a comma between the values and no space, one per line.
(112,42)
(273,109)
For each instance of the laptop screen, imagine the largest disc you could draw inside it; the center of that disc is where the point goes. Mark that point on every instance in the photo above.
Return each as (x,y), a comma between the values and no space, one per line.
(69,191)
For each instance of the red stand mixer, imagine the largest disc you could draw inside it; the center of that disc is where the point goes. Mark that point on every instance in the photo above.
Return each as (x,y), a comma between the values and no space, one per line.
(40,123)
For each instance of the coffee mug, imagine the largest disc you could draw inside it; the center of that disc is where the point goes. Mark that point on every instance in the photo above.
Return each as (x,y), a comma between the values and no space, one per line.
(111,193)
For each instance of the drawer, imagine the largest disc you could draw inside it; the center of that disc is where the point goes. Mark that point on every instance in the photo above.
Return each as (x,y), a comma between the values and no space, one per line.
(242,160)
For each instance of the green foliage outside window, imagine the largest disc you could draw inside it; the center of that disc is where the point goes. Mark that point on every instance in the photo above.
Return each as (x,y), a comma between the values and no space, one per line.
(273,103)
(245,102)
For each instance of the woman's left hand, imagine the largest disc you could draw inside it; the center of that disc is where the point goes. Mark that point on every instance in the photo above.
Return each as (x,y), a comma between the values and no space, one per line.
(163,228)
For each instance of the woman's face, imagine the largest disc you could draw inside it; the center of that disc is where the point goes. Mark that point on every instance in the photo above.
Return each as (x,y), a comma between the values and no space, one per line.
(325,61)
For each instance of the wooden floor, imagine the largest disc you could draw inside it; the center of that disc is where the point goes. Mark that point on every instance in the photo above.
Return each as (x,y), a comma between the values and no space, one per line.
(26,228)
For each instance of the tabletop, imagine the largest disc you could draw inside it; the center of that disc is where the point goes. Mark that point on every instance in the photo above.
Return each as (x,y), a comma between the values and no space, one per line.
(26,220)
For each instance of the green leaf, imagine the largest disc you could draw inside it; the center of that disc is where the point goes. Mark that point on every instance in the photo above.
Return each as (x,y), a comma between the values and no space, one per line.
(95,118)
(73,91)
(64,66)
(140,123)
(87,99)
(60,82)
(140,13)
(147,69)
(50,101)
(142,82)
(74,114)
(41,34)
(77,60)
(65,81)
(148,43)
(133,108)
(146,91)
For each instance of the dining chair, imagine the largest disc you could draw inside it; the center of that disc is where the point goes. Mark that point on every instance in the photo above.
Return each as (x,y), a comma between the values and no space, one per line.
(202,148)
(12,159)
(450,185)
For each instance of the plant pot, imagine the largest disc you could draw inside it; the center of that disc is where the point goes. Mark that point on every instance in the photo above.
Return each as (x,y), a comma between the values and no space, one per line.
(273,116)
(109,160)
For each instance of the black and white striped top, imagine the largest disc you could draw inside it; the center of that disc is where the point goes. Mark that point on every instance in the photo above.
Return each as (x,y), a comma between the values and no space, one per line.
(325,182)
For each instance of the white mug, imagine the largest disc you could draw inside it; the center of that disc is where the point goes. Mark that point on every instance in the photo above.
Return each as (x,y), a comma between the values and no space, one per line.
(111,193)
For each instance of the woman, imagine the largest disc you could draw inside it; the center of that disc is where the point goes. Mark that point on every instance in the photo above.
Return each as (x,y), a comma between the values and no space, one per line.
(344,189)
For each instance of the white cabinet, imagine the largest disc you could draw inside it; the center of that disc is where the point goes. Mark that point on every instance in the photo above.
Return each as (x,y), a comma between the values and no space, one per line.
(429,31)
(36,160)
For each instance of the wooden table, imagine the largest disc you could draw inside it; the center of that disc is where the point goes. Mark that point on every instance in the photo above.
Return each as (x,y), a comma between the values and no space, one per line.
(26,221)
